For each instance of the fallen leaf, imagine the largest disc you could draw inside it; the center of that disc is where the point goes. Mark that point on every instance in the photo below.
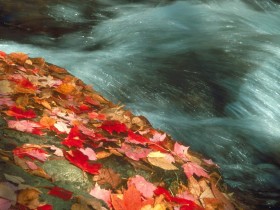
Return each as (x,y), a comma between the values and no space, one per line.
(18,57)
(14,179)
(31,165)
(62,127)
(45,207)
(108,175)
(87,204)
(47,121)
(58,151)
(89,152)
(134,152)
(80,160)
(136,138)
(60,193)
(6,100)
(20,113)
(25,126)
(193,168)
(5,204)
(5,87)
(113,126)
(74,138)
(157,137)
(143,186)
(161,160)
(221,197)
(7,192)
(29,198)
(101,194)
(31,152)
(65,88)
(180,150)
(131,200)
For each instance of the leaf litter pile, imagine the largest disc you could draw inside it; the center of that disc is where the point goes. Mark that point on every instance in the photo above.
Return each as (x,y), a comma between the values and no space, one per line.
(64,146)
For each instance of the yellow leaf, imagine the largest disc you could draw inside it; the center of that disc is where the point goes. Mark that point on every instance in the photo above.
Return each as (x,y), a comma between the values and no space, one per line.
(156,154)
(162,163)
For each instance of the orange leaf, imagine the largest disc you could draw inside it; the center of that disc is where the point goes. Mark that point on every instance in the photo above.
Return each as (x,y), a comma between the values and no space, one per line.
(117,202)
(65,88)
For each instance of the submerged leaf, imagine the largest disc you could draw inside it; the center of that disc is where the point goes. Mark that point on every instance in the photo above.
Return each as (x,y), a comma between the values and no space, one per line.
(60,193)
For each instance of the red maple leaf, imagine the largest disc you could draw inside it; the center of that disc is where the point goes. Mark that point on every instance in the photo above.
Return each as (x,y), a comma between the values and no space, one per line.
(193,168)
(32,152)
(113,125)
(74,138)
(80,160)
(20,113)
(60,193)
(136,138)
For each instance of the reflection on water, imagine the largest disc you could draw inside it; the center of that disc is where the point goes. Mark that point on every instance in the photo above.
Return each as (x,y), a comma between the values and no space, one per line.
(207,72)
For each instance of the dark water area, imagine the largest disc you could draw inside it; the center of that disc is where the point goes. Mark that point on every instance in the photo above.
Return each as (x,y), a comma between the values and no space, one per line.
(206,72)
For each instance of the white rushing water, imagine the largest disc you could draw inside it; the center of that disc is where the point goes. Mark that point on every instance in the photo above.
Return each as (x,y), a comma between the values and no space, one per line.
(207,72)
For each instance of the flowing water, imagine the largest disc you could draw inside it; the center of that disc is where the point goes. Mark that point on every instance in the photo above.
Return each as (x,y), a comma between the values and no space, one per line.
(206,72)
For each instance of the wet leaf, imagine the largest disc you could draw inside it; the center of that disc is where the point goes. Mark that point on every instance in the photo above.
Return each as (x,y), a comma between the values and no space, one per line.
(60,193)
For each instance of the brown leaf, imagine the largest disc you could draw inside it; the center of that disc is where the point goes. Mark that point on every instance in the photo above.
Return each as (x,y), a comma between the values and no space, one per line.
(29,198)
(108,175)
(194,187)
(221,197)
